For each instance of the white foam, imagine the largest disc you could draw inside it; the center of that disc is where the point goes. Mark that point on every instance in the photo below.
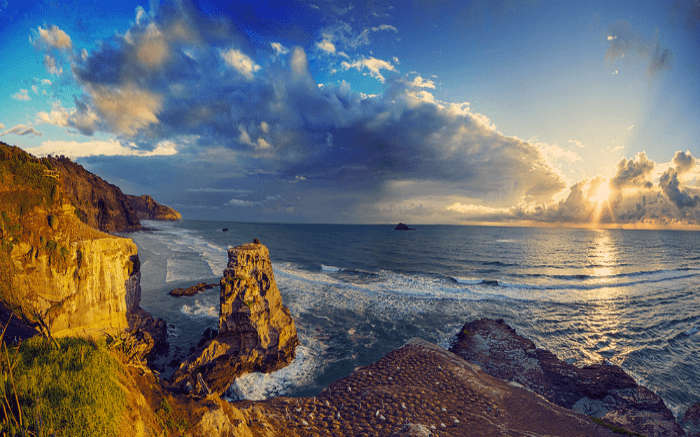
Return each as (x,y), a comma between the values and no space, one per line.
(260,386)
(199,310)
(333,269)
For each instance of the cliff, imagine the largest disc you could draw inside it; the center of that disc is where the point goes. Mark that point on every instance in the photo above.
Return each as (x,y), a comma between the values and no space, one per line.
(101,204)
(56,271)
(256,332)
(148,209)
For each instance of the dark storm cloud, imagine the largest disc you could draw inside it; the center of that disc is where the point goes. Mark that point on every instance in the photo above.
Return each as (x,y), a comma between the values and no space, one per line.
(182,74)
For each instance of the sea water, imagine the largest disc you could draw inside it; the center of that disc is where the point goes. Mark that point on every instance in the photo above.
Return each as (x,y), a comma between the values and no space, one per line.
(357,292)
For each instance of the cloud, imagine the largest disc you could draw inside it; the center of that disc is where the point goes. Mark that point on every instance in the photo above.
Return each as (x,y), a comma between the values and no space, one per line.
(373,65)
(624,41)
(21,129)
(82,118)
(242,203)
(326,46)
(240,62)
(279,49)
(127,107)
(21,95)
(419,82)
(684,161)
(2,126)
(277,124)
(51,66)
(633,172)
(82,149)
(53,36)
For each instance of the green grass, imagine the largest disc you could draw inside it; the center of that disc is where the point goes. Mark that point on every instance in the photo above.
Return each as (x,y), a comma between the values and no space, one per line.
(67,391)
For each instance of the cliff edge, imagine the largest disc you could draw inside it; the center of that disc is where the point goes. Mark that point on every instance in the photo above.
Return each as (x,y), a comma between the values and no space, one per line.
(148,209)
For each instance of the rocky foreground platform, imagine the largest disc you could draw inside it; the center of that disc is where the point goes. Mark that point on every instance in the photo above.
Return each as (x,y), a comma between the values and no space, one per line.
(418,390)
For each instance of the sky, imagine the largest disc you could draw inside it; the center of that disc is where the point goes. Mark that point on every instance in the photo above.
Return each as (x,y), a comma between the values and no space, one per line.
(501,112)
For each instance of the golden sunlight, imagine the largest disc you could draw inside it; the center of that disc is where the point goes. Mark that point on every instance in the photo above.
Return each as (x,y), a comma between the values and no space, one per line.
(601,193)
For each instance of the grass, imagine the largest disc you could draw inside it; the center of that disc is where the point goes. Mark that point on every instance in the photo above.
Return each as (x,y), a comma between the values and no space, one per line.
(69,390)
(169,419)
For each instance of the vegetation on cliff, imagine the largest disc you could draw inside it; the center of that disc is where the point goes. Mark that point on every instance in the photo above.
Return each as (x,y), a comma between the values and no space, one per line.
(66,388)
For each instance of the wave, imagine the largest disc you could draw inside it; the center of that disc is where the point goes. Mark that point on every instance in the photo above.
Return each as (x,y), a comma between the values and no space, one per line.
(334,269)
(301,372)
(200,310)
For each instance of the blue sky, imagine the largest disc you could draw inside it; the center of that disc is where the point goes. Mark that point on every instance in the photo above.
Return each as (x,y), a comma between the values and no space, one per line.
(423,111)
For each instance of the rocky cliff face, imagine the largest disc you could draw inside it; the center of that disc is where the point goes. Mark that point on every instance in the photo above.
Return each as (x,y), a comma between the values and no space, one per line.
(148,209)
(256,332)
(101,204)
(600,390)
(97,202)
(55,270)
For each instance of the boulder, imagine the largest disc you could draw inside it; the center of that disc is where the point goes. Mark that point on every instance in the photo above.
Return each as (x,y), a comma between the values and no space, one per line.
(604,391)
(256,332)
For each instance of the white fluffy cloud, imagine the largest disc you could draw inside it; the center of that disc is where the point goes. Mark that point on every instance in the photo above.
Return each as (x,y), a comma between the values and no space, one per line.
(371,64)
(82,149)
(82,118)
(326,46)
(278,48)
(419,82)
(53,36)
(240,62)
(127,107)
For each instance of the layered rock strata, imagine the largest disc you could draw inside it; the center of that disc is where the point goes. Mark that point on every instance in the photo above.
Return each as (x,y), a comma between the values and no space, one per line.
(256,332)
(602,390)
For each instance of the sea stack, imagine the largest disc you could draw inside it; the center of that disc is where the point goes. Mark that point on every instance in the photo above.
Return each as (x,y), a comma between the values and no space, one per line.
(256,332)
(403,227)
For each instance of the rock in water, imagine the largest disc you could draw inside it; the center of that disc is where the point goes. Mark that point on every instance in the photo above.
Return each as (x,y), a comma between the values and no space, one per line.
(403,227)
(256,332)
(600,390)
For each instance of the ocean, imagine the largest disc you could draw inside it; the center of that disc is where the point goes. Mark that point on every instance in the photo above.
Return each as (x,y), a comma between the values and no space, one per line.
(357,292)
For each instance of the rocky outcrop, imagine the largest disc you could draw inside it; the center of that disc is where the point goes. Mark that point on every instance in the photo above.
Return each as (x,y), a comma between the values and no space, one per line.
(691,420)
(602,390)
(191,290)
(403,227)
(256,332)
(148,209)
(422,389)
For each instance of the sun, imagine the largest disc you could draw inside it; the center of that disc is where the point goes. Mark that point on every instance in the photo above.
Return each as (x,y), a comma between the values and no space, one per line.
(600,194)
